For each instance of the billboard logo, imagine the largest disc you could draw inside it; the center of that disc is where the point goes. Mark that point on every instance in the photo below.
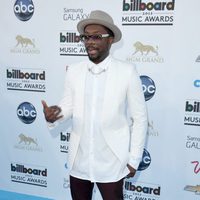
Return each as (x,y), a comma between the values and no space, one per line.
(64,138)
(145,190)
(148,86)
(141,190)
(192,106)
(27,170)
(146,160)
(27,174)
(192,112)
(26,112)
(23,9)
(138,5)
(19,74)
(147,12)
(69,38)
(32,80)
(70,44)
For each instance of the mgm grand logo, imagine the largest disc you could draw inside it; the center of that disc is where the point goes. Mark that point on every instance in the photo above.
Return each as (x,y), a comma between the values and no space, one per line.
(27,143)
(193,188)
(24,45)
(151,131)
(145,53)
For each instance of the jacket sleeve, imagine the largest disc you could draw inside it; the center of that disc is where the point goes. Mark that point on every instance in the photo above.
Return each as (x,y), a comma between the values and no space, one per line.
(138,114)
(65,104)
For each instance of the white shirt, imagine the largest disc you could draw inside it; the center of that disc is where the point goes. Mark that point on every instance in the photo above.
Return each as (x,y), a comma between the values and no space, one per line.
(93,151)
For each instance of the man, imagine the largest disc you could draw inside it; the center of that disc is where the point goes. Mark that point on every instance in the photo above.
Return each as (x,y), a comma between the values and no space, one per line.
(97,94)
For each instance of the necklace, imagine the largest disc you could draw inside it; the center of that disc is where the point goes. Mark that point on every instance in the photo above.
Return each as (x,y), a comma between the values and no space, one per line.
(96,70)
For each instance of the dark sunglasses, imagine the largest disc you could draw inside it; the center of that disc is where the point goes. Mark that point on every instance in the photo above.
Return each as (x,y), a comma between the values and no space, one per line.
(95,37)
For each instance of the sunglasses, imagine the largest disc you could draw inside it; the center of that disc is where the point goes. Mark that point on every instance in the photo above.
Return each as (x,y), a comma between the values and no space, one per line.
(95,37)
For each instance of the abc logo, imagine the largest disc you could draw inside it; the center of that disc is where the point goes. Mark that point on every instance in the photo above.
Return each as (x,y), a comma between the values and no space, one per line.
(146,160)
(24,9)
(197,83)
(26,112)
(66,166)
(148,87)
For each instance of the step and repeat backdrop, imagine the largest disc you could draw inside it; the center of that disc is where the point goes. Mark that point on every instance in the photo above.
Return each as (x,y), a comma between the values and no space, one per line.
(38,40)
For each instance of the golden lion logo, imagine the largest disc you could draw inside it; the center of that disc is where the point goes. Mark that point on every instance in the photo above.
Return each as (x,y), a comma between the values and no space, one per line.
(192,188)
(26,140)
(139,47)
(24,42)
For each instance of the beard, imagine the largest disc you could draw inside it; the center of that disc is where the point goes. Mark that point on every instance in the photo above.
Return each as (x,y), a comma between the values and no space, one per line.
(95,55)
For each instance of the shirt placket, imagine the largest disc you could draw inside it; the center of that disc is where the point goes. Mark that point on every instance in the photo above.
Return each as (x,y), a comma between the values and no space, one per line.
(92,127)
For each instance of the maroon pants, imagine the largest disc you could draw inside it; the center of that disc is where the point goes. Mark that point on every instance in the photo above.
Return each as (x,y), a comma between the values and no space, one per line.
(82,189)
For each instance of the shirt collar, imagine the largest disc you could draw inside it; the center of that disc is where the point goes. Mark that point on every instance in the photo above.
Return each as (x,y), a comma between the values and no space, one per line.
(103,65)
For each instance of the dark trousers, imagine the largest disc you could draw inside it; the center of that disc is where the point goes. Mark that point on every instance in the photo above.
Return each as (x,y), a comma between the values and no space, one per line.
(82,189)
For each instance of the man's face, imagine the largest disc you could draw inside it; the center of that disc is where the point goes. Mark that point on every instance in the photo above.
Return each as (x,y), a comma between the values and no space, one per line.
(97,49)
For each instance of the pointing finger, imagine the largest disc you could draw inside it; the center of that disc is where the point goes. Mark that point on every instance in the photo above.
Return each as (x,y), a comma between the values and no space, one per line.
(45,106)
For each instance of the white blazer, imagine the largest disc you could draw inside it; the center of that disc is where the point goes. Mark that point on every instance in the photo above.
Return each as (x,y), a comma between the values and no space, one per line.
(122,88)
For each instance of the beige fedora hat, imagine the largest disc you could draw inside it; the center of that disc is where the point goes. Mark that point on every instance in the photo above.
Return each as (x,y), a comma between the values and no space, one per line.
(101,18)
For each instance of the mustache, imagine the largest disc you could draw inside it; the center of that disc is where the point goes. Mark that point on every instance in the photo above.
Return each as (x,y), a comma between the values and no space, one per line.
(91,47)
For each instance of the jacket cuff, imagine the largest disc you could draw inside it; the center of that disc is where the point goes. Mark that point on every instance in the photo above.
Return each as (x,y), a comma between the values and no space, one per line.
(134,163)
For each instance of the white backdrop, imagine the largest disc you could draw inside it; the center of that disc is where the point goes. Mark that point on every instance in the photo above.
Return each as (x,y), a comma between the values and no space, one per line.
(39,39)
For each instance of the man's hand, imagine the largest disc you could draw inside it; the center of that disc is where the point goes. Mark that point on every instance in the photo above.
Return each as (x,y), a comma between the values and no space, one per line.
(51,113)
(132,171)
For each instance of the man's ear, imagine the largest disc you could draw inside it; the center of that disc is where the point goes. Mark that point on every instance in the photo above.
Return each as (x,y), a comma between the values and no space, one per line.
(111,40)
